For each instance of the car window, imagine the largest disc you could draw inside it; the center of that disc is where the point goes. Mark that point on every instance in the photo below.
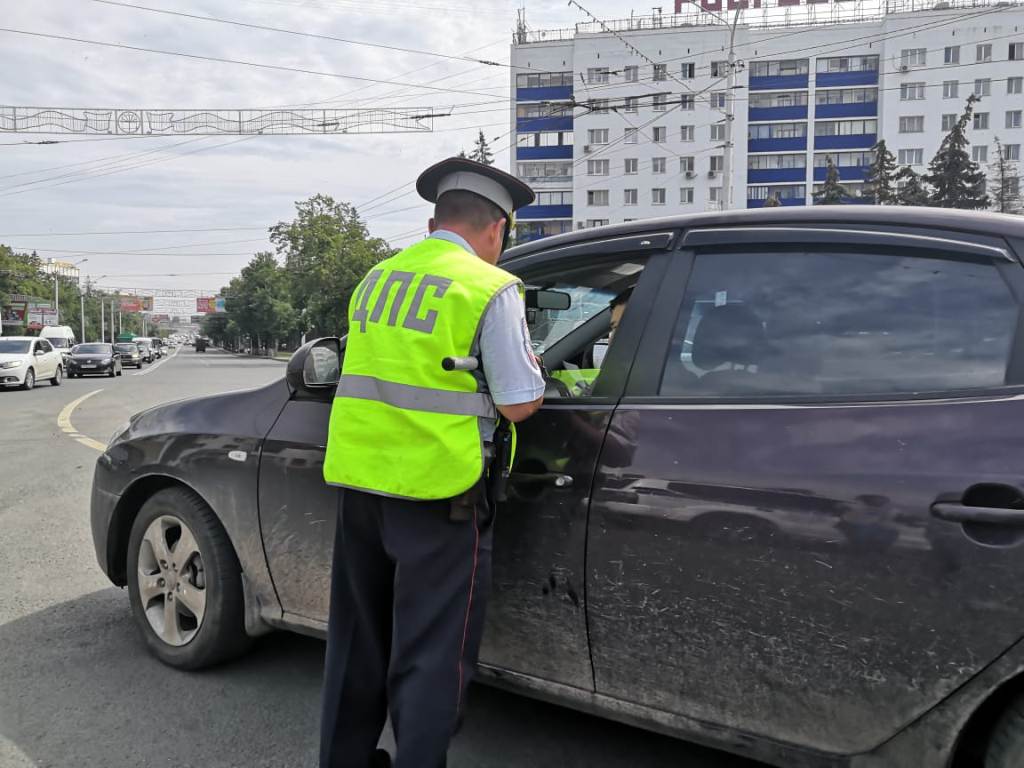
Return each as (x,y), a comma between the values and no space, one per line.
(14,347)
(797,323)
(93,349)
(44,345)
(593,290)
(58,343)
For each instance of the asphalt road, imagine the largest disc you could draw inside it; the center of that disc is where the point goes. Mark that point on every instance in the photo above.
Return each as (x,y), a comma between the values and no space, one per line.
(77,687)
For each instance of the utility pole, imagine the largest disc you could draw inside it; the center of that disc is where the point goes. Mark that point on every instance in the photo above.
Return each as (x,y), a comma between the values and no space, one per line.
(81,298)
(103,328)
(730,116)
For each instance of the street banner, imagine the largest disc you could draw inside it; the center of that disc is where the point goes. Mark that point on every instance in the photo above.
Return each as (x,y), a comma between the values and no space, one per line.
(136,303)
(219,304)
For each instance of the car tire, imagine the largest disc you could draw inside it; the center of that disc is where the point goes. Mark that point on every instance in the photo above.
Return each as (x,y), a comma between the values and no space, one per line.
(1006,744)
(55,381)
(219,635)
(30,379)
(112,373)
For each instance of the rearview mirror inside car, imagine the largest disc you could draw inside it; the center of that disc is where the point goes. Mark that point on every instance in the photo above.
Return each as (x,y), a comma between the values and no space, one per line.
(541,298)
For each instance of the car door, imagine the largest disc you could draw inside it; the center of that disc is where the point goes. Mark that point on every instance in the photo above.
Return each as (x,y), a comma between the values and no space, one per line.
(46,365)
(536,617)
(822,423)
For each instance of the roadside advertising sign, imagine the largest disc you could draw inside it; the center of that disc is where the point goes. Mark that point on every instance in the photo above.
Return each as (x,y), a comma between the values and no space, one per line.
(204,304)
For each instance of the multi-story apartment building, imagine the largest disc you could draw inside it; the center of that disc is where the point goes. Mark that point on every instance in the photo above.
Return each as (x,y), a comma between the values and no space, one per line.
(620,120)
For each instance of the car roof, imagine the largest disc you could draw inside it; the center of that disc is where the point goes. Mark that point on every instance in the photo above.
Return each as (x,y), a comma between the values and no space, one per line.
(18,338)
(984,222)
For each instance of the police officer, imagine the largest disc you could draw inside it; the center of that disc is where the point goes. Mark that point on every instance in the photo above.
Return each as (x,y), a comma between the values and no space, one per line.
(411,445)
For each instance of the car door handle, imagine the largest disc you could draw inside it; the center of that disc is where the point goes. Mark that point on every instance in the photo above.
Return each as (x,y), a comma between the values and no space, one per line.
(954,512)
(548,478)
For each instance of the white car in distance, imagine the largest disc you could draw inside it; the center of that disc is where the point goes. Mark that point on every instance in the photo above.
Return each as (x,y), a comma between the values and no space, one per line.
(24,360)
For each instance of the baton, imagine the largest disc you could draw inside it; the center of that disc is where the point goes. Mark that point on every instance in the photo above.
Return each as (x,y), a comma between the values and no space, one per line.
(460,363)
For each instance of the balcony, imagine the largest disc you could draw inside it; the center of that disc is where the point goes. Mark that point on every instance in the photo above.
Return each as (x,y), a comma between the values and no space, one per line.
(832,79)
(544,153)
(857,109)
(772,175)
(548,93)
(532,124)
(846,173)
(764,114)
(778,83)
(798,143)
(534,212)
(789,201)
(854,141)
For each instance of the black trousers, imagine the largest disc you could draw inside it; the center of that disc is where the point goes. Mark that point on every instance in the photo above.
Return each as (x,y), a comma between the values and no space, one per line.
(408,590)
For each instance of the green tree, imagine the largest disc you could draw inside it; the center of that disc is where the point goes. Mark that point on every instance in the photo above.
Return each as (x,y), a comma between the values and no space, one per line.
(955,179)
(831,192)
(1004,183)
(326,250)
(910,188)
(257,300)
(880,178)
(482,151)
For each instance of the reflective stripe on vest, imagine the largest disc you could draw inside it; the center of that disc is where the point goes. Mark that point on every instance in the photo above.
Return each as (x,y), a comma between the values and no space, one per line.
(400,424)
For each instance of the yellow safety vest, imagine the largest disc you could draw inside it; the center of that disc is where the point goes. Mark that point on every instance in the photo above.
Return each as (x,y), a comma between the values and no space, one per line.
(401,425)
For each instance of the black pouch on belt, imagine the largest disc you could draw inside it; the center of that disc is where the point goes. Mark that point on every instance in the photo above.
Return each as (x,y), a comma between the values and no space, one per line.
(463,505)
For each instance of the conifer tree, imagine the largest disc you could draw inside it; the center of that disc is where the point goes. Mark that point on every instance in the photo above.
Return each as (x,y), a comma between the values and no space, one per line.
(955,179)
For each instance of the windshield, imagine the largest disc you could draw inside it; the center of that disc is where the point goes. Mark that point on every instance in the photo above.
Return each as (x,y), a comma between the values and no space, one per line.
(58,342)
(12,347)
(92,349)
(127,348)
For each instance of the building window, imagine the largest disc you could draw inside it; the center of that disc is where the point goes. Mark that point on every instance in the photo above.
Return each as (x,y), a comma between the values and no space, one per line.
(545,139)
(911,156)
(600,106)
(629,197)
(686,133)
(913,124)
(658,165)
(544,80)
(783,99)
(779,130)
(982,87)
(661,71)
(686,164)
(948,121)
(631,135)
(1013,119)
(852,127)
(717,163)
(913,57)
(715,194)
(1011,151)
(844,159)
(631,166)
(632,74)
(1015,84)
(660,102)
(597,75)
(687,70)
(658,196)
(833,64)
(981,121)
(688,102)
(951,89)
(660,134)
(632,103)
(911,91)
(845,96)
(597,136)
(1016,51)
(685,195)
(768,162)
(597,197)
(952,54)
(983,53)
(786,192)
(544,109)
(554,198)
(546,170)
(979,154)
(718,99)
(718,132)
(719,68)
(782,68)
(598,167)
(591,223)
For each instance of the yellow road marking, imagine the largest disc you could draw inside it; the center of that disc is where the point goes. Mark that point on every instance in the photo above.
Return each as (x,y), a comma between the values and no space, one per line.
(64,422)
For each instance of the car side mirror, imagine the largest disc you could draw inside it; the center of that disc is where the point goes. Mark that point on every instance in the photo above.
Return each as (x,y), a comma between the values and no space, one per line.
(316,365)
(540,298)
(40,352)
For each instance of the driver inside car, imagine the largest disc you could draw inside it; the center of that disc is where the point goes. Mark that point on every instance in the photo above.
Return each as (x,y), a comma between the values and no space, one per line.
(580,379)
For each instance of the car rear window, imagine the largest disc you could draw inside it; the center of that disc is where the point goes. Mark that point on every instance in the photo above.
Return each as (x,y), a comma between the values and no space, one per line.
(92,349)
(129,348)
(798,323)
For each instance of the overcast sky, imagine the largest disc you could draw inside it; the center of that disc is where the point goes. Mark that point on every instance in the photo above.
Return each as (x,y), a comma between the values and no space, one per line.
(199,183)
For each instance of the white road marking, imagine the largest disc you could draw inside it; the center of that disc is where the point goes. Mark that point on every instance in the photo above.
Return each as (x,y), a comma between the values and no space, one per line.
(157,364)
(64,422)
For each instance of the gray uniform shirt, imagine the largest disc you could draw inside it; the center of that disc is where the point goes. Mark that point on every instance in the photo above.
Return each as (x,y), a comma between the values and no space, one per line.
(510,369)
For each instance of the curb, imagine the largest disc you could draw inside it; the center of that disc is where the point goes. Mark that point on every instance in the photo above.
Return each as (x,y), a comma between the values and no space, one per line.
(258,357)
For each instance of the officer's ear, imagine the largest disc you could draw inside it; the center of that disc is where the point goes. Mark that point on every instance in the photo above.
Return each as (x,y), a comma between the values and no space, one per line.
(431,225)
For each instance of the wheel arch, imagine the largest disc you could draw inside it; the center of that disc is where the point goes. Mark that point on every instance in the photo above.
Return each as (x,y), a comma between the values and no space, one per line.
(974,736)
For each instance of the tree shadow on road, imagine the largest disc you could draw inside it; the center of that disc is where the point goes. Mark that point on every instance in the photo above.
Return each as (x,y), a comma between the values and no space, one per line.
(79,689)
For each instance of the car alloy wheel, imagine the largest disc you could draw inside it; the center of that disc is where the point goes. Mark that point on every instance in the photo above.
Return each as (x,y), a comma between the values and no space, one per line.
(172,580)
(30,379)
(55,381)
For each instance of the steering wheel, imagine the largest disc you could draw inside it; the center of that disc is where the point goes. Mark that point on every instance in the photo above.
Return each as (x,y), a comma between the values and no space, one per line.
(559,386)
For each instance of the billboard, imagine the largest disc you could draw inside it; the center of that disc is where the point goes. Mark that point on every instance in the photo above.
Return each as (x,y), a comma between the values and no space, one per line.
(136,303)
(13,313)
(207,304)
(39,315)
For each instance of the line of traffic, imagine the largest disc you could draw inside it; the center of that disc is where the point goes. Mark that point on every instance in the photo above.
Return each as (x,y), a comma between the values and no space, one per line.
(157,364)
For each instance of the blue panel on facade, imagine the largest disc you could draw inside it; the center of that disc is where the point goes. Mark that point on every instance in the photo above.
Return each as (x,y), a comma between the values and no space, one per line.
(832,79)
(854,141)
(760,114)
(862,109)
(551,93)
(768,175)
(778,82)
(788,201)
(531,124)
(846,173)
(544,153)
(776,145)
(544,212)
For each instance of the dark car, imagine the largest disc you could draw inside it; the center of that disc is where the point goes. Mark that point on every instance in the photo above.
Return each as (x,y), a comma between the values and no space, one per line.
(130,354)
(201,344)
(781,513)
(145,349)
(93,359)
